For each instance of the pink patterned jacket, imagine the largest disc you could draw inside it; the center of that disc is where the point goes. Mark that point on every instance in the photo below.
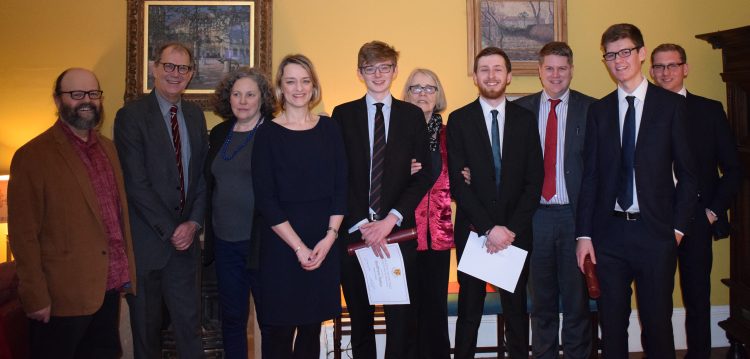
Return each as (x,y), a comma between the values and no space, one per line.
(435,209)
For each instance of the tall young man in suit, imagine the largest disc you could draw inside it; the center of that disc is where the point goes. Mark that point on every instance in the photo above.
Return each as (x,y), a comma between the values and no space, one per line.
(382,135)
(630,209)
(68,228)
(162,144)
(553,274)
(498,142)
(713,147)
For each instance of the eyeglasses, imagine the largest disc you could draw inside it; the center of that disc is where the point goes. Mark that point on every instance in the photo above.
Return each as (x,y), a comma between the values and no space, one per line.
(611,56)
(79,95)
(183,69)
(370,70)
(417,89)
(671,67)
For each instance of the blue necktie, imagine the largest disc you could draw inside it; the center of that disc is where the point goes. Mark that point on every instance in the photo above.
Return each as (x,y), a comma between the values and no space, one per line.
(627,158)
(496,157)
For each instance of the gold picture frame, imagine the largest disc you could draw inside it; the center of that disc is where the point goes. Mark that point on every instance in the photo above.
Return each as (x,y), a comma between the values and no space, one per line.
(519,27)
(223,34)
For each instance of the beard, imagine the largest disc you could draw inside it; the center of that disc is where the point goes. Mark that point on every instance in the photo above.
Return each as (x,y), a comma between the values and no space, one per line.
(491,94)
(86,122)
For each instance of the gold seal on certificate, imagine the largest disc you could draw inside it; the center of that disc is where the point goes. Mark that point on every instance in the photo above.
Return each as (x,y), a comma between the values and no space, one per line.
(385,278)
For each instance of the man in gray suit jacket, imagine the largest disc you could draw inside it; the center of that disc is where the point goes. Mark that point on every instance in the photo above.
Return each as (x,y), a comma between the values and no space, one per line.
(162,145)
(561,115)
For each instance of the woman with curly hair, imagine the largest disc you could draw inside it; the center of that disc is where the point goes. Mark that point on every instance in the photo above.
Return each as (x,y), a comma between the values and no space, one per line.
(244,100)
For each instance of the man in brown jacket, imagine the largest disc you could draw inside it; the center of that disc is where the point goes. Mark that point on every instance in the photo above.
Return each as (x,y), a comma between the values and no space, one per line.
(68,228)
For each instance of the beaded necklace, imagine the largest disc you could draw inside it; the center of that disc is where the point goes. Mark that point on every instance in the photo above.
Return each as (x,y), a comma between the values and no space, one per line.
(244,143)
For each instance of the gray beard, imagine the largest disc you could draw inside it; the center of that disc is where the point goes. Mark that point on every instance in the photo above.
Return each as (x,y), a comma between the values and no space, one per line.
(70,116)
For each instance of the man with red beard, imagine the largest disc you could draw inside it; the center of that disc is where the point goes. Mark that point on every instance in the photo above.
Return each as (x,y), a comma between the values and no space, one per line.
(498,142)
(68,228)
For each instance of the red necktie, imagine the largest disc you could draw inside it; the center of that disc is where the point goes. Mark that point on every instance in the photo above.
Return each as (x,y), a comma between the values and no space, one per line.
(177,152)
(550,153)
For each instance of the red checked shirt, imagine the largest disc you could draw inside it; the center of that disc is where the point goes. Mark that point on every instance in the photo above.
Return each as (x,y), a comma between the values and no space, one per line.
(102,178)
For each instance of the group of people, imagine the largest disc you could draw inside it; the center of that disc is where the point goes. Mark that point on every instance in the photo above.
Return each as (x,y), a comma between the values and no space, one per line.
(280,192)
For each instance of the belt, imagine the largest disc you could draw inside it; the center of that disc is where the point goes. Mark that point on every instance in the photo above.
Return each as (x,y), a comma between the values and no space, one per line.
(627,215)
(553,206)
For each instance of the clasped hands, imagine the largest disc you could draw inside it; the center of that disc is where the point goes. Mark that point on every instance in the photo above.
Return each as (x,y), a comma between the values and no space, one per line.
(499,238)
(374,234)
(311,259)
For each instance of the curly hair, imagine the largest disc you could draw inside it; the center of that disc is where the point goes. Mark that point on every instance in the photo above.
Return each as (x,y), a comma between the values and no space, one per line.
(220,98)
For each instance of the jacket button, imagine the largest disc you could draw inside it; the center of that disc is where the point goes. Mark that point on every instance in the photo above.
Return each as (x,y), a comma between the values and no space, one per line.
(104,252)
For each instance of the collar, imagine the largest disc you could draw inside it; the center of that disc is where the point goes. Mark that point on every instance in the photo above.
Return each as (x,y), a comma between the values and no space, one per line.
(563,99)
(92,139)
(164,104)
(486,107)
(683,91)
(387,101)
(639,92)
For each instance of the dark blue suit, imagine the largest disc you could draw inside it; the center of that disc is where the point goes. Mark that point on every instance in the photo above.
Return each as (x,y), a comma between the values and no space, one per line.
(645,249)
(713,147)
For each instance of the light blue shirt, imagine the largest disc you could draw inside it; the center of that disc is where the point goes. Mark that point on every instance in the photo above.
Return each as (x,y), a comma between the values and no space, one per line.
(164,107)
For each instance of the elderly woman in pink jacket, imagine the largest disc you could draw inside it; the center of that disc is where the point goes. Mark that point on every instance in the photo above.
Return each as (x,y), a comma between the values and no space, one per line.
(434,227)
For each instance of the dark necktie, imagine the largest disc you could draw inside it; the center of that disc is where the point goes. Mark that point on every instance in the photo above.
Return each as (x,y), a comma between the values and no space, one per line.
(378,158)
(550,153)
(627,158)
(496,156)
(177,153)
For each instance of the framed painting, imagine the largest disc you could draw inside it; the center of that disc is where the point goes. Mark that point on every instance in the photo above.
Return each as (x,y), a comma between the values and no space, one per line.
(519,27)
(222,34)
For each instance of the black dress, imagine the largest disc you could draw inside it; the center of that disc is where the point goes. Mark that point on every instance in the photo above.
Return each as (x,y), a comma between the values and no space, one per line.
(300,177)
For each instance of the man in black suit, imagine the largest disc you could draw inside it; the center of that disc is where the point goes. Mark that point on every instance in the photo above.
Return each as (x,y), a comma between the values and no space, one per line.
(382,135)
(553,274)
(713,147)
(499,143)
(629,208)
(162,145)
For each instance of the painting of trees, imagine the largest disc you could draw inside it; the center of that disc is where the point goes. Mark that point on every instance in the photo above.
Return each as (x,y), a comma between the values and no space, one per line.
(519,27)
(218,35)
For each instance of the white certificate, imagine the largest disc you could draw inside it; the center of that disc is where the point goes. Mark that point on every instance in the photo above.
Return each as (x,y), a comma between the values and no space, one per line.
(501,269)
(385,277)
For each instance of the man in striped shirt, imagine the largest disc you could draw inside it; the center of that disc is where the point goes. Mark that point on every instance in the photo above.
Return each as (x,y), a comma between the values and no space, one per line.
(554,276)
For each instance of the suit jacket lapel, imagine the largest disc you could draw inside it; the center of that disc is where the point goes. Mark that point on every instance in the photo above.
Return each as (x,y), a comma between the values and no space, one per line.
(649,111)
(572,123)
(612,122)
(79,172)
(363,132)
(480,127)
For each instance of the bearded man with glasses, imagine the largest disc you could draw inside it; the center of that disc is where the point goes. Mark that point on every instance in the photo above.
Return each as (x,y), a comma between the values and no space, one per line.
(68,229)
(162,144)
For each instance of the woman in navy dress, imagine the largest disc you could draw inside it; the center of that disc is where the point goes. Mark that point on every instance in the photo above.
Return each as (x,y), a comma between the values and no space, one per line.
(299,174)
